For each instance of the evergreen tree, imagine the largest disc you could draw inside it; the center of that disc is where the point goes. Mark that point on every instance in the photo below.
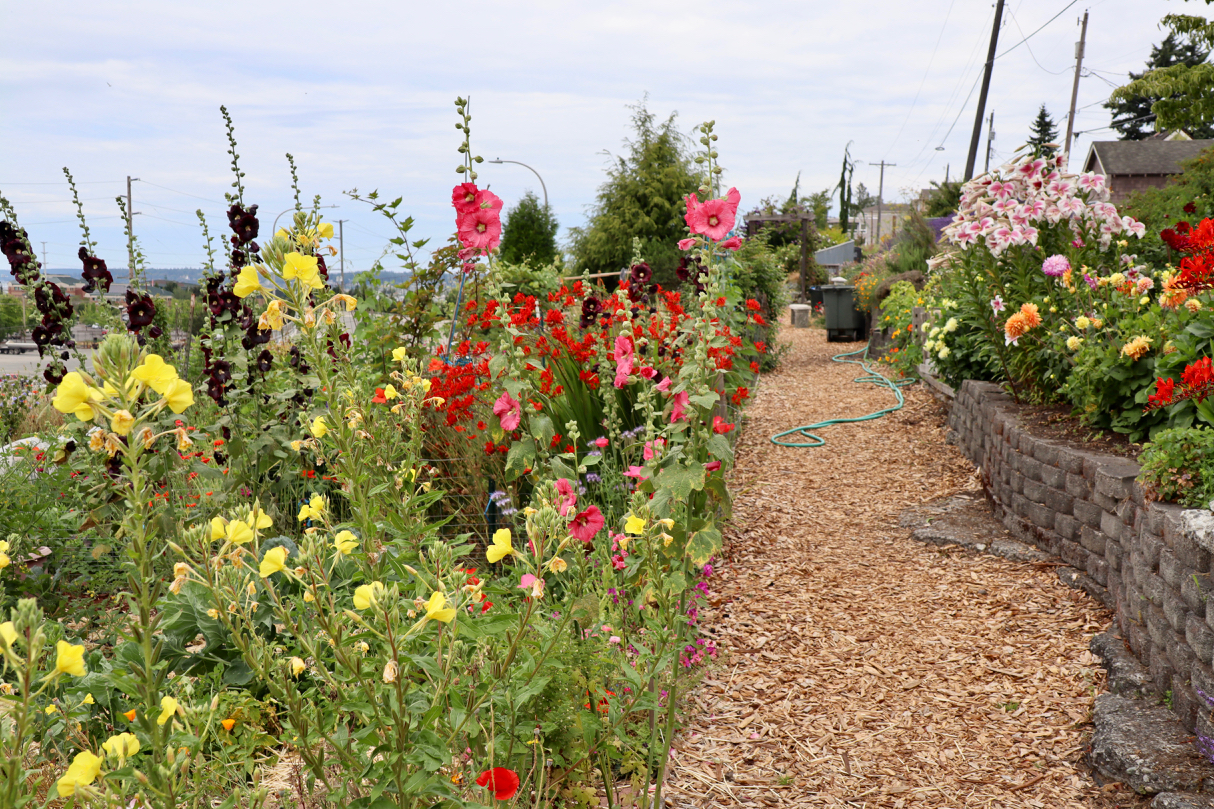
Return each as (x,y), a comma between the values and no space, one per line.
(1132,113)
(1045,133)
(642,199)
(529,233)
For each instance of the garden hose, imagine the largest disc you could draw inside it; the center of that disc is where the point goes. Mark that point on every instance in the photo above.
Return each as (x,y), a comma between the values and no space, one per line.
(872,376)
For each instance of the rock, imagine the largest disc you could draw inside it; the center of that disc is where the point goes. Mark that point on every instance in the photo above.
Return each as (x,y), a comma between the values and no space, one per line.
(1143,745)
(966,521)
(1126,675)
(1181,800)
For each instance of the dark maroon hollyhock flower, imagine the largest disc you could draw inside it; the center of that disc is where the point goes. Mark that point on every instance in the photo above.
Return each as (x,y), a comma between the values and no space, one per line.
(47,333)
(265,360)
(640,273)
(215,390)
(246,228)
(344,337)
(139,311)
(155,332)
(221,370)
(234,214)
(321,267)
(238,260)
(254,336)
(53,374)
(683,271)
(51,299)
(221,458)
(591,307)
(294,357)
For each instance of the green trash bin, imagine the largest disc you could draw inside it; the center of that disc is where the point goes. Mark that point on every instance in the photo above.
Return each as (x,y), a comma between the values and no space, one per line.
(843,320)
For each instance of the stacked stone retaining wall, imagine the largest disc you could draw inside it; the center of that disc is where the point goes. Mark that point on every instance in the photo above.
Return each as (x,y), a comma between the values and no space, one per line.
(1149,562)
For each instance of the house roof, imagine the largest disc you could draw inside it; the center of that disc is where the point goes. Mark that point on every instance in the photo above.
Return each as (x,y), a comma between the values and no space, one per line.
(1143,156)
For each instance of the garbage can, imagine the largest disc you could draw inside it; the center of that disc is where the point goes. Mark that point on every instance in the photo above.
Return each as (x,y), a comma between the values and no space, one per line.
(843,321)
(815,295)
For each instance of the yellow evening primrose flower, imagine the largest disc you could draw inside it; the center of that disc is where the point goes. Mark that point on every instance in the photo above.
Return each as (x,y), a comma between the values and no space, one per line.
(306,513)
(558,565)
(345,542)
(248,282)
(350,302)
(239,532)
(367,595)
(635,525)
(168,707)
(50,709)
(69,659)
(399,354)
(319,428)
(437,609)
(297,666)
(9,633)
(219,528)
(73,396)
(390,392)
(155,373)
(88,700)
(121,746)
(178,395)
(501,547)
(259,519)
(4,560)
(84,769)
(122,422)
(305,268)
(273,562)
(325,230)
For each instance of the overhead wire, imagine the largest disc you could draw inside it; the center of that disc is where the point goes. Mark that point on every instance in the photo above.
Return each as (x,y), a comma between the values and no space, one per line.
(1030,36)
(1030,50)
(926,71)
(184,193)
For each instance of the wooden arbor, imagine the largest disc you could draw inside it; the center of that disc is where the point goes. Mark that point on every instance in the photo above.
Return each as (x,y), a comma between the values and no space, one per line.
(756,222)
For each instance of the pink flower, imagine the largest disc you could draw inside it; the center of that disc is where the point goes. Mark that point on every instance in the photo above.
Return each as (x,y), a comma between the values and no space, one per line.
(712,466)
(480,229)
(586,524)
(530,582)
(623,360)
(678,403)
(686,244)
(601,443)
(733,243)
(653,448)
(664,385)
(568,496)
(508,410)
(486,200)
(463,197)
(713,218)
(1056,266)
(648,373)
(720,426)
(637,472)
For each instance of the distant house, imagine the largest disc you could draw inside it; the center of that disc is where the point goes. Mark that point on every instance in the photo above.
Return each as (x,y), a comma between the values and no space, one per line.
(892,217)
(1134,165)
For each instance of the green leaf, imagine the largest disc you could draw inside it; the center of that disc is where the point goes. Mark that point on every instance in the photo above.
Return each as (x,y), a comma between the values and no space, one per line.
(677,582)
(519,458)
(719,447)
(681,480)
(706,400)
(542,429)
(704,545)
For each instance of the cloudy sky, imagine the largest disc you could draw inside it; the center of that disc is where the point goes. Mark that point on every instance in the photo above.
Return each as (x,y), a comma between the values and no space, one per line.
(361,93)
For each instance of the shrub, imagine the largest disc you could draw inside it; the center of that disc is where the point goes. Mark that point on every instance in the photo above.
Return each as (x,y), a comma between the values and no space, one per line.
(1178,466)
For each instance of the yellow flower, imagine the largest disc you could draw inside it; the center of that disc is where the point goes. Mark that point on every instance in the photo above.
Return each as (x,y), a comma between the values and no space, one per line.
(271,318)
(325,230)
(317,504)
(319,428)
(69,659)
(345,542)
(213,614)
(168,707)
(4,560)
(73,396)
(219,528)
(390,392)
(156,373)
(248,282)
(1074,342)
(297,667)
(8,632)
(259,519)
(308,597)
(239,532)
(305,268)
(558,565)
(437,609)
(635,525)
(273,562)
(97,439)
(121,746)
(122,422)
(88,700)
(390,670)
(306,513)
(399,354)
(178,395)
(351,303)
(1137,347)
(50,709)
(501,547)
(84,769)
(367,595)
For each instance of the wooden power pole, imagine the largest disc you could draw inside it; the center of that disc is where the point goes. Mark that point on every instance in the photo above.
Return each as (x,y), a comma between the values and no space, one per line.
(1070,118)
(986,86)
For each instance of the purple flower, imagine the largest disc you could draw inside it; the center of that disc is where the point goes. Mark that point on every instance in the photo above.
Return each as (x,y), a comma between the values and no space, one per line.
(1091,281)
(1056,266)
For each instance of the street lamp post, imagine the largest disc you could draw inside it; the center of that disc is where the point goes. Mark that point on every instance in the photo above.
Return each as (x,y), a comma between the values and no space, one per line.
(533,171)
(274,227)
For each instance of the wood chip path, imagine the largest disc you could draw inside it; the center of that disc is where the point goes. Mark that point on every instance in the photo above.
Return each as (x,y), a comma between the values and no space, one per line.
(865,669)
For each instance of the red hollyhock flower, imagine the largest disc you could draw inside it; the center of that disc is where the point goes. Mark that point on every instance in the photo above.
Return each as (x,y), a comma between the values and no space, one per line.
(712,466)
(586,524)
(720,426)
(502,781)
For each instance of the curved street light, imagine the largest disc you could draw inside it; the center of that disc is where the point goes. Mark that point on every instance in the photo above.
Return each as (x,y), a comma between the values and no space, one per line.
(533,171)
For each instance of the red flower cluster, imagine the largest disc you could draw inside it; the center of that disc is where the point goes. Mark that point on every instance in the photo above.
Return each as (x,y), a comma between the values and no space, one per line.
(1197,382)
(1196,268)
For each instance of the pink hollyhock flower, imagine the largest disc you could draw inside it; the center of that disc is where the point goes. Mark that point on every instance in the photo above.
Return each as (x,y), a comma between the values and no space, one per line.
(568,496)
(637,472)
(733,243)
(586,524)
(480,229)
(653,448)
(508,411)
(713,218)
(664,385)
(623,360)
(648,373)
(530,582)
(712,466)
(678,403)
(686,244)
(601,442)
(463,197)
(486,200)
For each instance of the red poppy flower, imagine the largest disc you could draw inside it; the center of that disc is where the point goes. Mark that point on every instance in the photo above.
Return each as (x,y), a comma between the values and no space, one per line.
(503,782)
(379,397)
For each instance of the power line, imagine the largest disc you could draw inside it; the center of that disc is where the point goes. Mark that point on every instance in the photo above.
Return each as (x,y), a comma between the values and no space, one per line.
(174,221)
(78,182)
(184,193)
(1030,36)
(926,70)
(1030,50)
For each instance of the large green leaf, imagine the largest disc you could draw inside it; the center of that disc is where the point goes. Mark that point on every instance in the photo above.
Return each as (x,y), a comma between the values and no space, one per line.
(704,545)
(681,480)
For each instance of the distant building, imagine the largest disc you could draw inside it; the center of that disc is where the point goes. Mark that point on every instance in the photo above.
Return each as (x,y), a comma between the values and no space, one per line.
(893,215)
(1135,165)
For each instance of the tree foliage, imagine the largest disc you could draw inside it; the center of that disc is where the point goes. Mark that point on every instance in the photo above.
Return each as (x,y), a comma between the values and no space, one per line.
(529,233)
(642,199)
(1178,87)
(944,200)
(1044,138)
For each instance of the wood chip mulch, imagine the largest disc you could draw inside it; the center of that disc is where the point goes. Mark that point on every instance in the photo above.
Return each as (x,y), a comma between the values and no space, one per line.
(865,669)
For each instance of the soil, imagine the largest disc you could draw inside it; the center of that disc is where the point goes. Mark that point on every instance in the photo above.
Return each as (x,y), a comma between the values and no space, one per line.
(1056,422)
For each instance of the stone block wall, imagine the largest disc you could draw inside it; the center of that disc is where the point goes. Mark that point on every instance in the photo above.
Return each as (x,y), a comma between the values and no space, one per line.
(1149,562)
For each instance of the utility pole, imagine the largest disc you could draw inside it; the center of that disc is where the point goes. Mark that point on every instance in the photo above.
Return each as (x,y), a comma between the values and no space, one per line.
(986,86)
(990,136)
(1070,118)
(130,233)
(880,196)
(44,255)
(341,244)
